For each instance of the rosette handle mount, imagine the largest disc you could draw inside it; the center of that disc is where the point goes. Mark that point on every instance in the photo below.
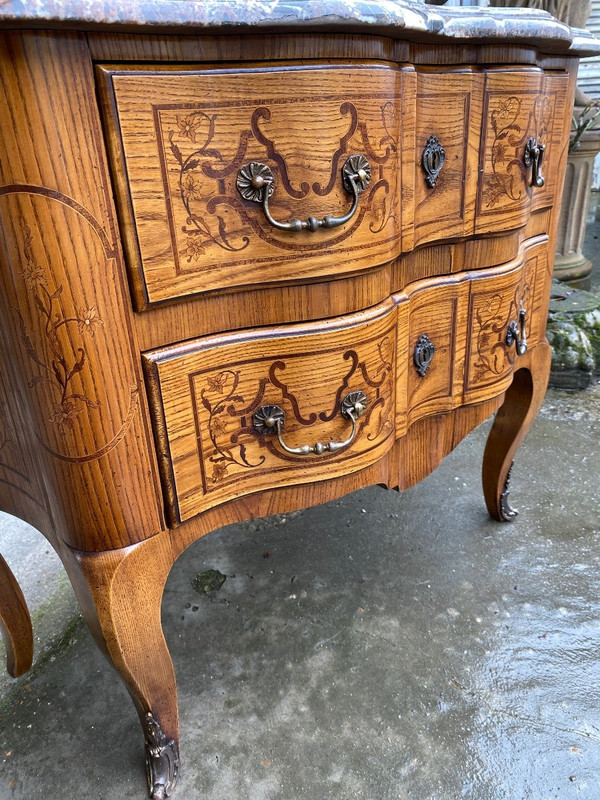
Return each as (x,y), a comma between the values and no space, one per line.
(256,182)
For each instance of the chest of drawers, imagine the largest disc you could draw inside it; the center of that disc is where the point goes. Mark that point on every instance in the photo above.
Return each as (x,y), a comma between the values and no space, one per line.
(250,264)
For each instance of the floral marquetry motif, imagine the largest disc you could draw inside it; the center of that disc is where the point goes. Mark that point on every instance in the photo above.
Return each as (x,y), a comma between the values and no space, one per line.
(499,327)
(212,159)
(230,424)
(216,446)
(513,119)
(55,366)
(62,336)
(497,331)
(254,257)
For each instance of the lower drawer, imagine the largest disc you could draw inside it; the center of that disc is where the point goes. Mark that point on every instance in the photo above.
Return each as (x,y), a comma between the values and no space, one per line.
(241,412)
(213,400)
(507,313)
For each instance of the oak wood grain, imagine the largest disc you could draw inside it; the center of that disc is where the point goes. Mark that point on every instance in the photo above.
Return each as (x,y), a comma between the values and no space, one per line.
(209,390)
(181,137)
(496,302)
(449,108)
(64,299)
(204,392)
(166,47)
(83,438)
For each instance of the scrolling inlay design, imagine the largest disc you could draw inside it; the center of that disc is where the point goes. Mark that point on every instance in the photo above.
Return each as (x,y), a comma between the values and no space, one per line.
(233,439)
(55,365)
(194,145)
(62,361)
(509,146)
(493,320)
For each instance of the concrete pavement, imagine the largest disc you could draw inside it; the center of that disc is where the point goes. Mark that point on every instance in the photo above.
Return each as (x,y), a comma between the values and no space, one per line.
(380,647)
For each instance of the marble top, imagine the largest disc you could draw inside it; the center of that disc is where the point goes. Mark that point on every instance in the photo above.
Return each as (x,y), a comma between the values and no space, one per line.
(400,19)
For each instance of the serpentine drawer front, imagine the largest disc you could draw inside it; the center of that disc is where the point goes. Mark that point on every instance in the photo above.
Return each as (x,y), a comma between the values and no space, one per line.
(210,391)
(250,263)
(521,146)
(203,148)
(405,356)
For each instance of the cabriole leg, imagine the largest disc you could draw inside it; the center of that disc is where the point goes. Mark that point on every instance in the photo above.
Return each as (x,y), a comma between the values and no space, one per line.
(15,623)
(120,594)
(513,419)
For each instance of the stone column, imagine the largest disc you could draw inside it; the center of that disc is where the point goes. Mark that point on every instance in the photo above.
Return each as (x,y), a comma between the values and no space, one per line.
(570,264)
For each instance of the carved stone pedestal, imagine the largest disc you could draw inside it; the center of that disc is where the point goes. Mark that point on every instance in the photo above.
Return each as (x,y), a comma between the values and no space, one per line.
(570,264)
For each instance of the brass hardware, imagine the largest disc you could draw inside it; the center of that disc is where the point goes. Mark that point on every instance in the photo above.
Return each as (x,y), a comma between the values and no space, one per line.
(517,335)
(162,759)
(423,354)
(255,182)
(533,157)
(271,419)
(507,512)
(432,160)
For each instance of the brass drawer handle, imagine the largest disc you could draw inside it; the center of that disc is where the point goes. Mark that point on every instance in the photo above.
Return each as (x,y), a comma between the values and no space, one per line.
(433,159)
(517,335)
(533,157)
(270,419)
(255,182)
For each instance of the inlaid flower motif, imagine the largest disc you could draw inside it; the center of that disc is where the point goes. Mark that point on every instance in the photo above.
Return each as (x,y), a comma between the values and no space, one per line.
(190,186)
(188,126)
(496,185)
(88,319)
(34,274)
(492,307)
(486,339)
(217,426)
(217,383)
(219,471)
(64,415)
(195,247)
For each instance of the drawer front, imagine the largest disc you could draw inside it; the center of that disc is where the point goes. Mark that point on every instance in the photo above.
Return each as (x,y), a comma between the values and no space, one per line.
(448,119)
(553,112)
(495,305)
(436,349)
(519,108)
(205,394)
(189,142)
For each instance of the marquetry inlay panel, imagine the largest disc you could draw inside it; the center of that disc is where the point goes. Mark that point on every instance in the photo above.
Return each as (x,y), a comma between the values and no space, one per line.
(185,136)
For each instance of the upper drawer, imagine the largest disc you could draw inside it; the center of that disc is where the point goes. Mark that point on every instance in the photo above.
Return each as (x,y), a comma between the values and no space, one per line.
(186,145)
(486,146)
(522,110)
